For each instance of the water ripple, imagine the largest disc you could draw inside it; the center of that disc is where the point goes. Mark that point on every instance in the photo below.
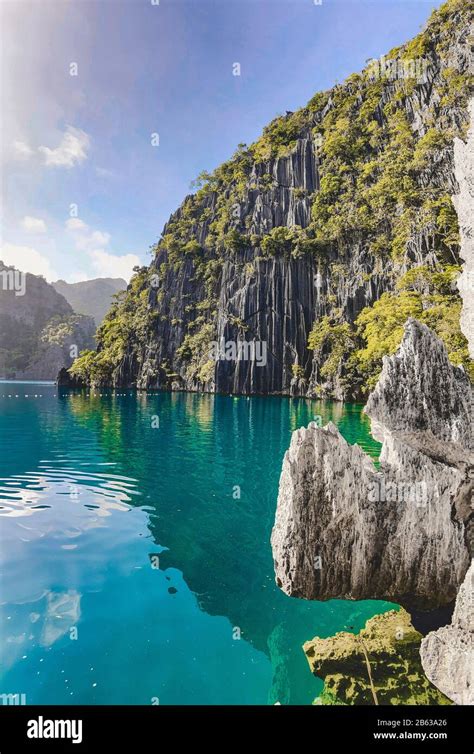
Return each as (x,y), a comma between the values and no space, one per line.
(25,494)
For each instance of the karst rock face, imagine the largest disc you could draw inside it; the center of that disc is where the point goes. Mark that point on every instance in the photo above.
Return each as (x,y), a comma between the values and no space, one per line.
(420,392)
(213,279)
(413,540)
(344,529)
(464,201)
(447,654)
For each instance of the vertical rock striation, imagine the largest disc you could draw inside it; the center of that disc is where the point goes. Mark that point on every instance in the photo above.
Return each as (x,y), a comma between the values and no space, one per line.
(448,653)
(332,539)
(464,203)
(313,223)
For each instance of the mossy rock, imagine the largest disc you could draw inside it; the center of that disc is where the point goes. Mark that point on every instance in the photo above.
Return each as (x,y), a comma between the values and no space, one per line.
(389,645)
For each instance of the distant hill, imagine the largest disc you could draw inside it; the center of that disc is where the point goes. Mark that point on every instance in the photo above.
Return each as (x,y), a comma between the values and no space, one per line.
(39,331)
(91,297)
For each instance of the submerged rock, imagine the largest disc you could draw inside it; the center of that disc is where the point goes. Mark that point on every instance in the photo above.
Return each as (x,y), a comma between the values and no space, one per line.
(345,529)
(379,665)
(448,653)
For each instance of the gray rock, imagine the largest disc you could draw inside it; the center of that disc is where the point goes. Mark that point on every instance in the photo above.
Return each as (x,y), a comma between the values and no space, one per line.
(65,379)
(464,203)
(345,529)
(51,357)
(447,655)
(419,390)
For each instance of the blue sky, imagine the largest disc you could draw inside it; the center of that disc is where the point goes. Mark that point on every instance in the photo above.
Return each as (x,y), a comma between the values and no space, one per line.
(143,69)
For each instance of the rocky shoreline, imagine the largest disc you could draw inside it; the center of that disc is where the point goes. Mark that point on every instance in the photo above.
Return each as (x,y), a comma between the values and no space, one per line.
(403,532)
(400,532)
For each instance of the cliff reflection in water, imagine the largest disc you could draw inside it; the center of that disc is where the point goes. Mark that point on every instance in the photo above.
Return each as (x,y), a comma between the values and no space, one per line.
(104,490)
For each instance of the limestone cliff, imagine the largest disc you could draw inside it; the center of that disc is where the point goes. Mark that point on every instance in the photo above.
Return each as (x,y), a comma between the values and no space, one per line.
(339,207)
(464,202)
(39,331)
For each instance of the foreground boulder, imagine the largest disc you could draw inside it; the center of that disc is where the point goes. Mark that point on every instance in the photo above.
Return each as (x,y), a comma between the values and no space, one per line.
(448,653)
(345,529)
(379,665)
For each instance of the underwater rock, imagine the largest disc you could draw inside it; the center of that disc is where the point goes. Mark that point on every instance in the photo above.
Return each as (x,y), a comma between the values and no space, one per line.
(379,665)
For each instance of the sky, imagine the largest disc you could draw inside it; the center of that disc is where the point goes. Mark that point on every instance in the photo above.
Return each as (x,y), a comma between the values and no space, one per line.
(110,108)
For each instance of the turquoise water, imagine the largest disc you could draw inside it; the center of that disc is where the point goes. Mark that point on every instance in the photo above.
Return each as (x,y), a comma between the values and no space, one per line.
(131,572)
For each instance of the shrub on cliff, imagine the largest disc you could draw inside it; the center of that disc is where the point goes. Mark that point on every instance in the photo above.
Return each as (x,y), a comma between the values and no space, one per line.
(425,294)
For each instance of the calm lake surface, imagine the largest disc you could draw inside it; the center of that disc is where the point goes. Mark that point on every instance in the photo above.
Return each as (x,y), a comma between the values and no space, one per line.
(129,568)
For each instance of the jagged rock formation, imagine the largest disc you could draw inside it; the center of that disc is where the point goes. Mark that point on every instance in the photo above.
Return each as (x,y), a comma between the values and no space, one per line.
(448,653)
(91,297)
(464,202)
(39,332)
(420,392)
(421,410)
(403,532)
(389,648)
(304,230)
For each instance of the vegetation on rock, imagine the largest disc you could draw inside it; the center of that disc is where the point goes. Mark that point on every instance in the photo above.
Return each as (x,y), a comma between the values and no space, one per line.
(379,665)
(381,151)
(126,324)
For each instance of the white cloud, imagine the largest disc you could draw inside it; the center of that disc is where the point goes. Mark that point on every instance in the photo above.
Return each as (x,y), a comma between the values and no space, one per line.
(26,259)
(77,277)
(21,150)
(85,238)
(71,151)
(96,239)
(75,224)
(33,224)
(108,265)
(94,243)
